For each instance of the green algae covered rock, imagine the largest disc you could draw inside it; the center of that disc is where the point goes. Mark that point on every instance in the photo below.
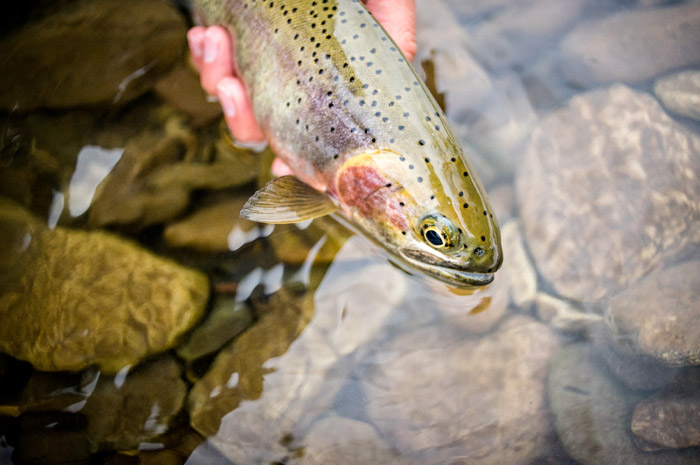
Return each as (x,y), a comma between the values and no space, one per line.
(70,298)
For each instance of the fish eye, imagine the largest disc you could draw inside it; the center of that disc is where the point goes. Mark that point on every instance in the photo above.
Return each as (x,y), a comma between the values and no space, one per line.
(439,232)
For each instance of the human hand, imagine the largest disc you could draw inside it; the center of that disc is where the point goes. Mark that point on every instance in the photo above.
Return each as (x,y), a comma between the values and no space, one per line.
(212,53)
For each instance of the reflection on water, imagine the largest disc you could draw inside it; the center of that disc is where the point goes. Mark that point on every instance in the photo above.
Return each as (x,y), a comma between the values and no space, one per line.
(145,322)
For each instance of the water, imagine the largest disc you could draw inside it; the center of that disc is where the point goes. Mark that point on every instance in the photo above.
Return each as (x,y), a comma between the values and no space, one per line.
(303,343)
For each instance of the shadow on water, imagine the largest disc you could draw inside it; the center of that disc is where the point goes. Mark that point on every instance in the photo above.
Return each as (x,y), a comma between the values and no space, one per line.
(145,322)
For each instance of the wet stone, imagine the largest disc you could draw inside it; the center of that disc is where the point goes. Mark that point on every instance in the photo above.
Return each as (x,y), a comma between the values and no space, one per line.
(637,372)
(591,191)
(228,318)
(343,441)
(90,52)
(632,46)
(658,317)
(516,34)
(154,179)
(215,228)
(564,315)
(680,93)
(92,298)
(592,412)
(492,403)
(669,419)
(128,410)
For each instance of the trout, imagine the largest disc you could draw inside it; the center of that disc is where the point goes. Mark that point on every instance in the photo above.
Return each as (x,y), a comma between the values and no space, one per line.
(342,106)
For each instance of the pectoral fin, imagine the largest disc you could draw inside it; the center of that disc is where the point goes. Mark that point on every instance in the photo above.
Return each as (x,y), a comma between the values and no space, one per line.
(287,200)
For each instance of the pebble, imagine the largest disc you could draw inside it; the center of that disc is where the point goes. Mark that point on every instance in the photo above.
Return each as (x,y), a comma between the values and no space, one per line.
(658,317)
(680,93)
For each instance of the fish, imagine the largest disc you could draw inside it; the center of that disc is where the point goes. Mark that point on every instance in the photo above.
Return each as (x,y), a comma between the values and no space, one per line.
(339,102)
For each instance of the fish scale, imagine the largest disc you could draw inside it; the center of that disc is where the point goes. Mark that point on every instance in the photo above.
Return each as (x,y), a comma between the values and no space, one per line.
(332,91)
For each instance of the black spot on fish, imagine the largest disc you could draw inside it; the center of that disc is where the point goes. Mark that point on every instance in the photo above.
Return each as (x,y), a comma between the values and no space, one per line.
(402,204)
(484,212)
(437,128)
(410,167)
(316,138)
(374,103)
(364,86)
(427,118)
(401,128)
(427,160)
(345,65)
(330,105)
(420,179)
(374,140)
(369,63)
(465,205)
(377,114)
(403,232)
(466,175)
(483,238)
(461,193)
(366,130)
(362,102)
(391,104)
(421,142)
(335,157)
(406,115)
(332,129)
(385,119)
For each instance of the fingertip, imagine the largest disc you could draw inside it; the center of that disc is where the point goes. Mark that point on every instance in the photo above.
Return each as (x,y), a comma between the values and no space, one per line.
(195,39)
(238,111)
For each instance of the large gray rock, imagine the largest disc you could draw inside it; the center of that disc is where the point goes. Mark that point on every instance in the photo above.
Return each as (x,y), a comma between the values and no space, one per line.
(660,315)
(608,191)
(89,52)
(680,93)
(73,298)
(632,46)
(592,412)
(441,397)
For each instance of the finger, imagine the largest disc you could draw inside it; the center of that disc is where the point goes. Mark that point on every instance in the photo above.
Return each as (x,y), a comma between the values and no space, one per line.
(398,17)
(195,38)
(238,111)
(216,58)
(280,168)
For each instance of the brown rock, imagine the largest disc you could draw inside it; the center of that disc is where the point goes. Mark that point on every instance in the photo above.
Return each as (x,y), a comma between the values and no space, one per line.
(89,52)
(667,421)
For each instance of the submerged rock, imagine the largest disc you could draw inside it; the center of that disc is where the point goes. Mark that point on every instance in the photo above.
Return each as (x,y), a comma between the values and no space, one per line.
(680,93)
(215,228)
(128,410)
(90,297)
(442,398)
(343,441)
(669,419)
(659,316)
(155,177)
(90,51)
(608,192)
(591,413)
(632,46)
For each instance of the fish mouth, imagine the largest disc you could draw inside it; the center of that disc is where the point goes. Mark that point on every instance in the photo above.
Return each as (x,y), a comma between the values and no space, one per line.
(444,271)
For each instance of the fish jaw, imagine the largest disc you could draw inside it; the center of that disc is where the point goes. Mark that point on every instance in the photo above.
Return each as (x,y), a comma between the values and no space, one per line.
(374,199)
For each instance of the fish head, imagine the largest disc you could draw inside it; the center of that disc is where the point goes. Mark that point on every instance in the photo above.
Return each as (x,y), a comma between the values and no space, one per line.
(433,215)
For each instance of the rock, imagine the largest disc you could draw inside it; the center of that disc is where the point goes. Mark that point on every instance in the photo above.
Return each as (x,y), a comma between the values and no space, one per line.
(632,46)
(343,441)
(216,228)
(516,34)
(591,413)
(596,210)
(128,410)
(265,389)
(153,180)
(62,443)
(89,52)
(637,372)
(521,273)
(296,244)
(182,89)
(563,315)
(228,318)
(659,316)
(668,420)
(491,406)
(90,297)
(680,93)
